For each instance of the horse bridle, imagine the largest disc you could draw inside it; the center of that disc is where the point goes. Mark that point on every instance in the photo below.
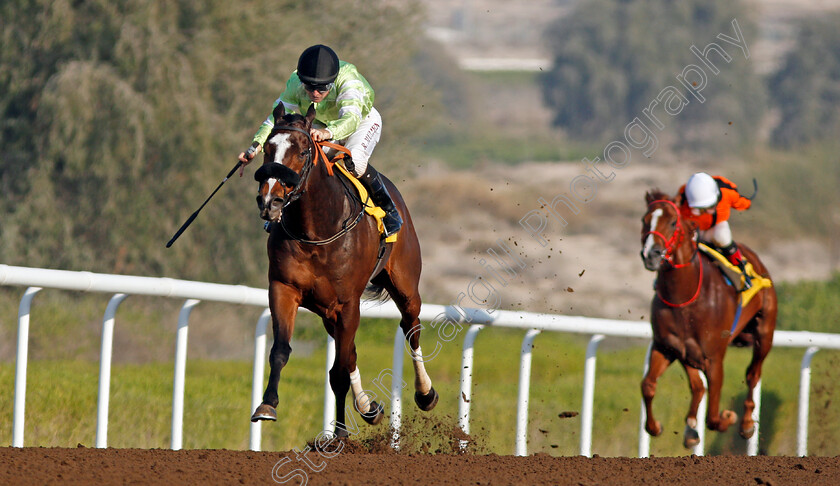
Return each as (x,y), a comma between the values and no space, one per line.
(298,191)
(675,239)
(671,244)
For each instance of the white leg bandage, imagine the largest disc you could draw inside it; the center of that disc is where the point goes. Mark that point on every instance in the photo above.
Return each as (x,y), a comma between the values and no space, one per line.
(422,382)
(362,400)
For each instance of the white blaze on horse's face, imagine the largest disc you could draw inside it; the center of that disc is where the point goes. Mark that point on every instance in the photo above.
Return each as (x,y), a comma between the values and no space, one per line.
(281,144)
(272,207)
(649,242)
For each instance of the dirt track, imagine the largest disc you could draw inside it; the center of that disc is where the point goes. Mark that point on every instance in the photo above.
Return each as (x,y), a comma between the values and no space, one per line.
(39,466)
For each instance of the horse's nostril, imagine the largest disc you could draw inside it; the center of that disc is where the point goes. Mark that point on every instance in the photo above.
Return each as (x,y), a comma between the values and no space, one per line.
(276,203)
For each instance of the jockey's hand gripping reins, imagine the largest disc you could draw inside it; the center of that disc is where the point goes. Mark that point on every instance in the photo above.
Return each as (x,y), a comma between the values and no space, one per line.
(294,194)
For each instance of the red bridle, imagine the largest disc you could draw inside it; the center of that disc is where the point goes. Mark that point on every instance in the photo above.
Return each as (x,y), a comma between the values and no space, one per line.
(670,245)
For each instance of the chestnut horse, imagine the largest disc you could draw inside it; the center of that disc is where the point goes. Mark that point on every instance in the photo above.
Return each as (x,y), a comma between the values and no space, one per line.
(694,316)
(323,252)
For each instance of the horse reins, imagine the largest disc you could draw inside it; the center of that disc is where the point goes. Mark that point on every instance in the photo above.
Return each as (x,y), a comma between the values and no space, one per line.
(298,191)
(670,245)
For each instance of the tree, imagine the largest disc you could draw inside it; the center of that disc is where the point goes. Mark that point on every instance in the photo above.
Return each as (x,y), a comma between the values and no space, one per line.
(119,118)
(613,57)
(806,87)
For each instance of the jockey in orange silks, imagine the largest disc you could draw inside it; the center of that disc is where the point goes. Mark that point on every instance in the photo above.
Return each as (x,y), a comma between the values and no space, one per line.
(708,202)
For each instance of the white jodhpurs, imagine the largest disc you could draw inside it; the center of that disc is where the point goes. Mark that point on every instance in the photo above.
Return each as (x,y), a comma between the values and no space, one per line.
(361,142)
(719,234)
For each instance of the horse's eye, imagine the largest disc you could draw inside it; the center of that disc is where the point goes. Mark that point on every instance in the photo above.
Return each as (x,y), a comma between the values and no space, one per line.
(674,224)
(303,154)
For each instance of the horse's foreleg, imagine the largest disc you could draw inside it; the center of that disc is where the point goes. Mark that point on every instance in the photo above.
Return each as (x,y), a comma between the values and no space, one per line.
(658,363)
(691,436)
(714,420)
(761,348)
(283,311)
(425,395)
(344,376)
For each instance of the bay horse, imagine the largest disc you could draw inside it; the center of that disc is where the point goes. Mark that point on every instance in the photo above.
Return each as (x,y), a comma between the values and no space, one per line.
(695,315)
(323,255)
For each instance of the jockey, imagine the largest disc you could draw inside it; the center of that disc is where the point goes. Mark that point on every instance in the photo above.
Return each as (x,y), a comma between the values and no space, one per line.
(344,112)
(707,201)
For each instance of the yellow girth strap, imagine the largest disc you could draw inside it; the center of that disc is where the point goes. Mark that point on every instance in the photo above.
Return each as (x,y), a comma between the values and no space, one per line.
(758,282)
(375,211)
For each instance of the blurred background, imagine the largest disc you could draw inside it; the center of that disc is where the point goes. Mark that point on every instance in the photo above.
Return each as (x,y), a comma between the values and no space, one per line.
(119,119)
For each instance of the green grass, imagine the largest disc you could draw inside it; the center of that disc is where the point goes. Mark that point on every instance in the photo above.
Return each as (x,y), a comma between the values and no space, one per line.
(472,151)
(61,399)
(63,382)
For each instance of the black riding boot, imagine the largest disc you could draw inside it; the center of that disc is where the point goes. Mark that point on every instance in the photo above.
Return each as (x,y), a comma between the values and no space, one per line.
(379,194)
(736,258)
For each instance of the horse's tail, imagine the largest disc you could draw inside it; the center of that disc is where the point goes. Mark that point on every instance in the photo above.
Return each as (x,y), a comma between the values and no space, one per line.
(375,293)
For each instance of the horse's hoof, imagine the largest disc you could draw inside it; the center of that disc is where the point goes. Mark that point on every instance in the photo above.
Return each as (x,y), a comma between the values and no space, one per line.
(426,402)
(727,418)
(341,433)
(264,412)
(375,414)
(691,437)
(654,430)
(748,433)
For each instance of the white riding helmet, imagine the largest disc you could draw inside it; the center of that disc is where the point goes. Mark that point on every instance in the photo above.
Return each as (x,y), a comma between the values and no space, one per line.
(701,191)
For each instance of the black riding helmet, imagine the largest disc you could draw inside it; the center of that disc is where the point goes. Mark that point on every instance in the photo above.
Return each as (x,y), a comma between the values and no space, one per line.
(318,65)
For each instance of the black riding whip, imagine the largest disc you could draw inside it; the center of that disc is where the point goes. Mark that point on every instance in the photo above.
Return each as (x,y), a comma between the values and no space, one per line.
(755,190)
(192,217)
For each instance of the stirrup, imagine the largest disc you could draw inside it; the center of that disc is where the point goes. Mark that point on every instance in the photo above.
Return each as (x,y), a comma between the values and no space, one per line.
(747,282)
(392,222)
(742,265)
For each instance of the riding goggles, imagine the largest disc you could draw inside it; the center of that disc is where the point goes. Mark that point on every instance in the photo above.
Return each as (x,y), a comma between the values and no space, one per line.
(321,88)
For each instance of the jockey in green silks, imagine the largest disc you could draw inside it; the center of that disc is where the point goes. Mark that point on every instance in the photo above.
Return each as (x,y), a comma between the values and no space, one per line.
(344,112)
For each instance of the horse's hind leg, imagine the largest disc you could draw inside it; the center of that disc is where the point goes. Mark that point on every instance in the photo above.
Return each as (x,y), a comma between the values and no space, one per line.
(691,436)
(761,348)
(425,395)
(283,304)
(402,287)
(657,365)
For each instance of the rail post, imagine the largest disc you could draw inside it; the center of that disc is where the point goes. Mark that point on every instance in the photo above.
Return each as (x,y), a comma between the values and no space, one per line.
(255,441)
(179,378)
(105,359)
(524,391)
(586,409)
(20,365)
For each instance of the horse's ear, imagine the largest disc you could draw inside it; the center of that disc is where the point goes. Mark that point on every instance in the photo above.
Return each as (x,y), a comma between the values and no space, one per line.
(649,197)
(279,111)
(310,114)
(678,199)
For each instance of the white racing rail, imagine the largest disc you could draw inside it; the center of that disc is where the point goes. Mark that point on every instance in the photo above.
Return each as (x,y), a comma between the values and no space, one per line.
(194,292)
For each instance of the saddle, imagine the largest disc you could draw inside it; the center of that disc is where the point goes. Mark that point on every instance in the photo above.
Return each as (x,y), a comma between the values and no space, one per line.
(734,276)
(370,208)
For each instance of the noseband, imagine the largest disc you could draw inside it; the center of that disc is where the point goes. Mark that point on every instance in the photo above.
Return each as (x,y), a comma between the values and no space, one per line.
(303,176)
(675,240)
(670,245)
(298,190)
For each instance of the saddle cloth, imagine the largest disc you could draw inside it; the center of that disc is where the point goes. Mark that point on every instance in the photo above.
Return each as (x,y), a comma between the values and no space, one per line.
(373,210)
(733,273)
